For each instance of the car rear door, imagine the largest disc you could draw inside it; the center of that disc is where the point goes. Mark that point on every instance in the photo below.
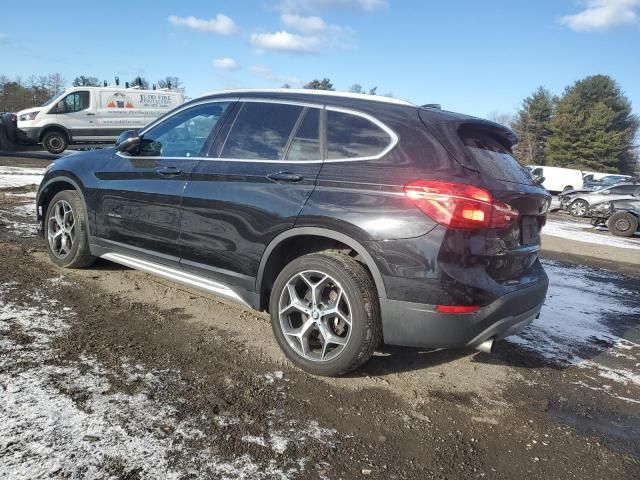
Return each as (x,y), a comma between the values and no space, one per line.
(139,194)
(262,169)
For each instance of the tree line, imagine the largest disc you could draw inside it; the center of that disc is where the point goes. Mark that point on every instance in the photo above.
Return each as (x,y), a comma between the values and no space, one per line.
(18,93)
(589,127)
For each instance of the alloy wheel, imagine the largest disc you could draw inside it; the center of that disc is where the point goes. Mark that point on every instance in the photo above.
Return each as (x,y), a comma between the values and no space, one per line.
(61,231)
(579,208)
(315,316)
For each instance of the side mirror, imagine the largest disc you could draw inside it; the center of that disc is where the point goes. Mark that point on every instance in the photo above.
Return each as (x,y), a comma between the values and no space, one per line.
(61,107)
(127,141)
(538,179)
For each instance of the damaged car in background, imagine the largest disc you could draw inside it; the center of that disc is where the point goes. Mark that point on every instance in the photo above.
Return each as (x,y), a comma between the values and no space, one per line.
(578,203)
(621,217)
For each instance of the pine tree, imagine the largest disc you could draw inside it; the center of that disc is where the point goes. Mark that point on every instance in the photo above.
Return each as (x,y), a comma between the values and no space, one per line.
(533,126)
(593,128)
(324,84)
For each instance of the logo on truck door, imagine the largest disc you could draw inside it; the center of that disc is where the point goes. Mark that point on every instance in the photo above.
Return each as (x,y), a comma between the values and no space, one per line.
(119,100)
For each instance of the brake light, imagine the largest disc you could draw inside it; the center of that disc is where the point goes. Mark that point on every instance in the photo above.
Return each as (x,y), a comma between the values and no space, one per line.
(457,308)
(458,205)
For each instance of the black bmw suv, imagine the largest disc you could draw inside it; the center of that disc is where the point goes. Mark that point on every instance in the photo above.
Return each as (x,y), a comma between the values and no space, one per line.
(353,219)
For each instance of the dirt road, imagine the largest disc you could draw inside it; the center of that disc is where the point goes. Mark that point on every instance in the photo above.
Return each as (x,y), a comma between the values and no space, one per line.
(110,373)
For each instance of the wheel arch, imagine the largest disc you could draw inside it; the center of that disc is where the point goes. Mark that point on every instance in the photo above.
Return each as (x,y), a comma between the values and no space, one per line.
(57,128)
(277,244)
(50,188)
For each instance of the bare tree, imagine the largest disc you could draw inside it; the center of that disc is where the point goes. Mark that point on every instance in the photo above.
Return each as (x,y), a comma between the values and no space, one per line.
(502,118)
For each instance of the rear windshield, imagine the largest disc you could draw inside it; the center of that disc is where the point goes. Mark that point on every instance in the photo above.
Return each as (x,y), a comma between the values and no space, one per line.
(492,157)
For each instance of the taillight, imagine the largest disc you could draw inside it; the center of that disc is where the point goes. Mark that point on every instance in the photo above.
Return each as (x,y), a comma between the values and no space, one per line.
(458,205)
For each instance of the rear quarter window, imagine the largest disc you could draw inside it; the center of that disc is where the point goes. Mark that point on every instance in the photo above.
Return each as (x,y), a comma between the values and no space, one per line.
(492,157)
(353,136)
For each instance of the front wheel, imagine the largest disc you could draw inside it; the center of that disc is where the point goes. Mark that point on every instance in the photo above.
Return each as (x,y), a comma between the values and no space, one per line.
(623,224)
(325,313)
(65,230)
(55,142)
(579,208)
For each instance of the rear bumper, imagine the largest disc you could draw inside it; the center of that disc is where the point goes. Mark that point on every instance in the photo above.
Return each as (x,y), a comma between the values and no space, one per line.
(419,325)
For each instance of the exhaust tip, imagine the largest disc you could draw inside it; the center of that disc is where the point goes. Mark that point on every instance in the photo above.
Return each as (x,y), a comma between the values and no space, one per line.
(487,346)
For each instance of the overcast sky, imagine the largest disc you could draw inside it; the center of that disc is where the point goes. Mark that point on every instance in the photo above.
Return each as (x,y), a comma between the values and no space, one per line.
(471,56)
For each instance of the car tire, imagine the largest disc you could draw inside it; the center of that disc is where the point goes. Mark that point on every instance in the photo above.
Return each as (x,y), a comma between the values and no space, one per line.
(578,208)
(55,142)
(567,188)
(623,224)
(306,332)
(65,231)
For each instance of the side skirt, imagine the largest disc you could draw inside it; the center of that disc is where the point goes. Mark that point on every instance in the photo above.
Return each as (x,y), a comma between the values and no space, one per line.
(178,276)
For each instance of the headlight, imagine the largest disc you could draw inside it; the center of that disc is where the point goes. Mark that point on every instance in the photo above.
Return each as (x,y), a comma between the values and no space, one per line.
(26,117)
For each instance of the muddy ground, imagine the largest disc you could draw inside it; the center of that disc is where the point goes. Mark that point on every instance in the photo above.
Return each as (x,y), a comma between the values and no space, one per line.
(110,373)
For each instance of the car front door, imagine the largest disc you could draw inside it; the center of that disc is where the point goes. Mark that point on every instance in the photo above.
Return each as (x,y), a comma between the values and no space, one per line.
(139,193)
(264,166)
(77,114)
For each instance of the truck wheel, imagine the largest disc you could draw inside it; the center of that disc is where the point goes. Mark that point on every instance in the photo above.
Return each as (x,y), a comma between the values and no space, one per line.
(578,208)
(325,313)
(55,142)
(567,188)
(623,224)
(65,230)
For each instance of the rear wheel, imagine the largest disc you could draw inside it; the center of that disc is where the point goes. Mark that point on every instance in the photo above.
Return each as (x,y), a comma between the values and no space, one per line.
(623,224)
(579,208)
(567,188)
(325,313)
(65,231)
(55,142)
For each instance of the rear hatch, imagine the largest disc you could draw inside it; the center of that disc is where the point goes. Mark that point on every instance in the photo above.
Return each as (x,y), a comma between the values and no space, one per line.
(483,148)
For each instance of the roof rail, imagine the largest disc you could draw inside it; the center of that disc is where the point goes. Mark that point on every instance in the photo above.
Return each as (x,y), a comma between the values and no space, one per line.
(308,91)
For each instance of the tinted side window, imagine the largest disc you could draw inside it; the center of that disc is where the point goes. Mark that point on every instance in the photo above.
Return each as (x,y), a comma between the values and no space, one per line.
(352,136)
(306,142)
(183,134)
(261,131)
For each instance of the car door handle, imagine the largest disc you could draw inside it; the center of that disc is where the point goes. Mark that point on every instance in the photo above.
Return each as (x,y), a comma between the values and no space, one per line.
(285,177)
(90,113)
(169,171)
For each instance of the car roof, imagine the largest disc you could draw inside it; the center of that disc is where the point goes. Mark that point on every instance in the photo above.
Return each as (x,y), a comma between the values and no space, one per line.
(302,92)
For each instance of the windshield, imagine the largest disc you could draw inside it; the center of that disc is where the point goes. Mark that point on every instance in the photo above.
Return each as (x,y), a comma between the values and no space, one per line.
(50,101)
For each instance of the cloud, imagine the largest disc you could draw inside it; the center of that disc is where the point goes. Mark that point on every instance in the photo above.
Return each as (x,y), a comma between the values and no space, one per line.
(226,63)
(220,24)
(303,24)
(317,5)
(266,73)
(284,41)
(603,14)
(4,38)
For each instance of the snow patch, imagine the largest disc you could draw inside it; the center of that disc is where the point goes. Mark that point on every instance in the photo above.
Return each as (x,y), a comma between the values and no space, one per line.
(20,176)
(581,232)
(61,418)
(581,323)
